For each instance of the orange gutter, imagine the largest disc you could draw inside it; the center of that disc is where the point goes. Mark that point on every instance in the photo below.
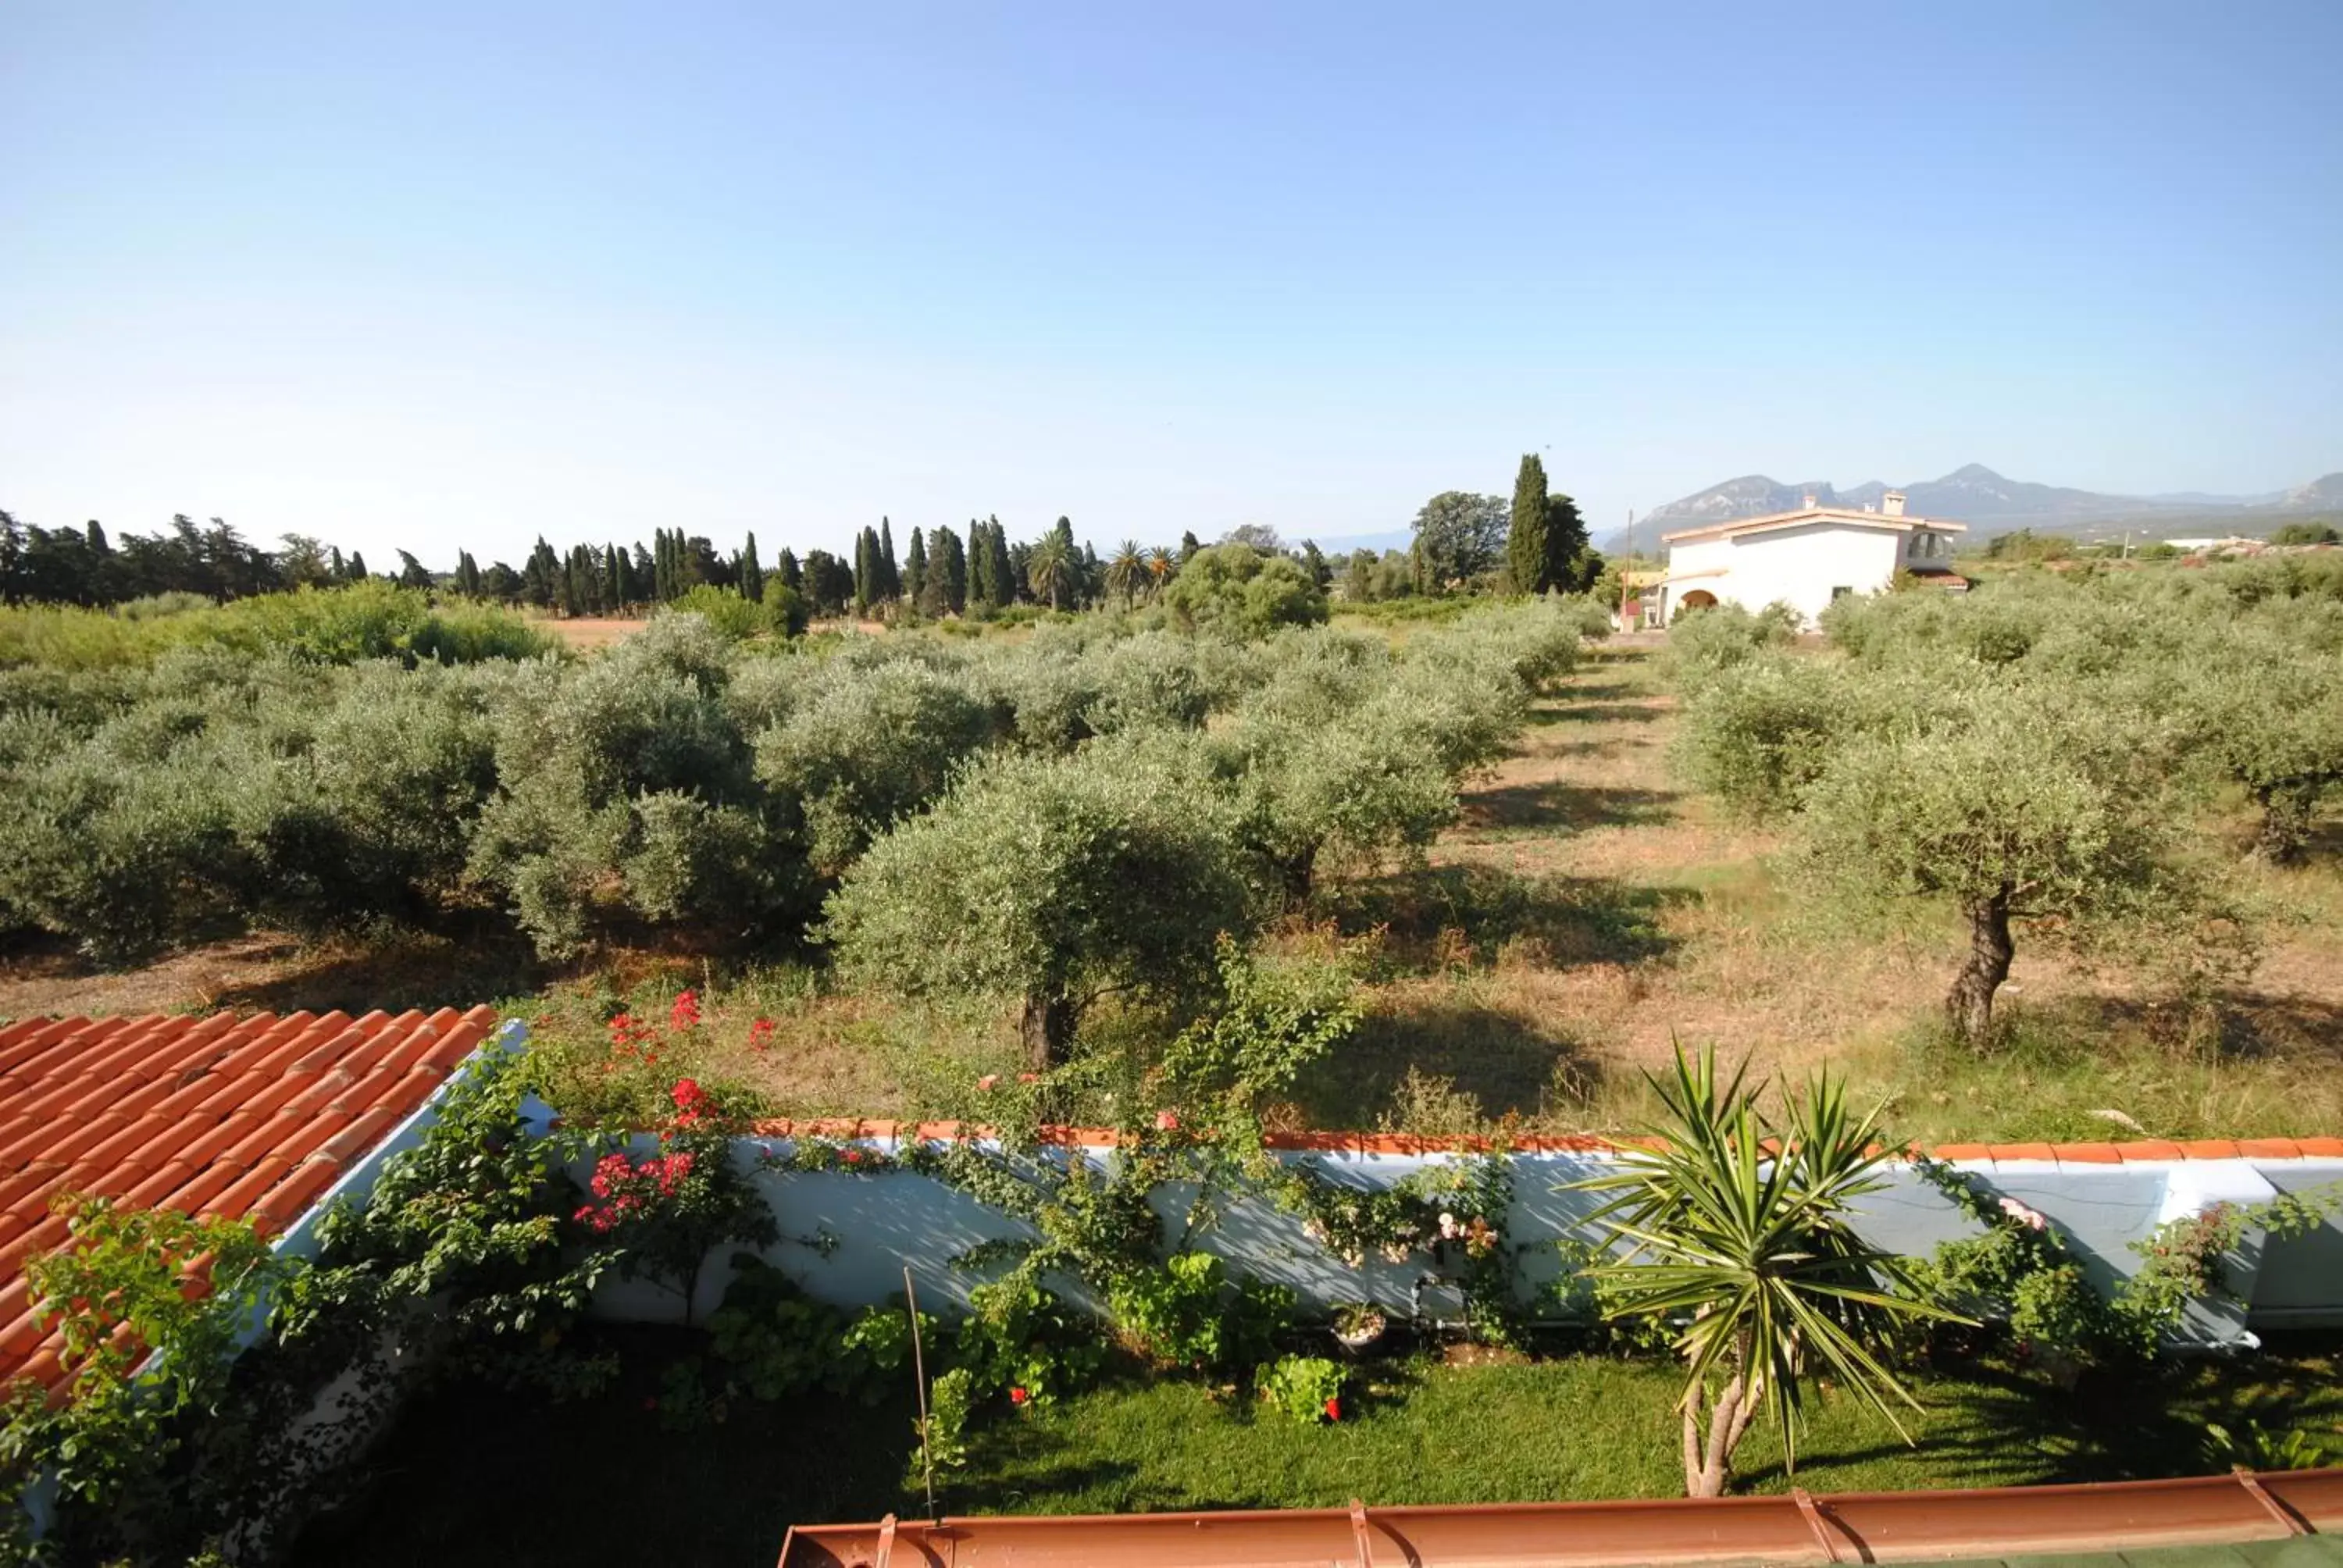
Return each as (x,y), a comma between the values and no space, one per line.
(1801,1528)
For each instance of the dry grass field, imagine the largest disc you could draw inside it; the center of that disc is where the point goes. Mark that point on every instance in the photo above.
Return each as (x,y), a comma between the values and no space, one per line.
(1586,912)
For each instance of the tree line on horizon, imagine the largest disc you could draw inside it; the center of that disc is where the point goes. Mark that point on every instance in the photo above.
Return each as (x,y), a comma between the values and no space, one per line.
(1463,542)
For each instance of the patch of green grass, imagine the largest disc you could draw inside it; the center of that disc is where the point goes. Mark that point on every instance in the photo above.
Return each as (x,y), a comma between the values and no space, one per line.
(474,1475)
(2096,1072)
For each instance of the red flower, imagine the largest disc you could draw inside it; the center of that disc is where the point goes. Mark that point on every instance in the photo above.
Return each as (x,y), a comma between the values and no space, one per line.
(1167,1120)
(760,1034)
(1333,1410)
(852,1157)
(1018,1396)
(685,1013)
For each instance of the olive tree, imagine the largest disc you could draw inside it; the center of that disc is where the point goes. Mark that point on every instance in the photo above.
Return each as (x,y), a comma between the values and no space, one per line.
(2022,808)
(1048,882)
(1355,790)
(865,748)
(2267,713)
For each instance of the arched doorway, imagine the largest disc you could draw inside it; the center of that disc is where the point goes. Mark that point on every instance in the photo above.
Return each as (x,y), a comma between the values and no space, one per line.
(1699,598)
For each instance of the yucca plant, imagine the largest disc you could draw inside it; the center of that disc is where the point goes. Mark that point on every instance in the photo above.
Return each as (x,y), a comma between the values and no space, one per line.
(1739,1231)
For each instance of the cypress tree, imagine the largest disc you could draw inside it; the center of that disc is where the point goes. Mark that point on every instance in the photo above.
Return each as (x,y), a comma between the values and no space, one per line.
(980,563)
(915,567)
(659,565)
(752,573)
(1567,563)
(1525,552)
(1189,545)
(786,566)
(866,570)
(337,572)
(955,570)
(1001,572)
(890,576)
(623,586)
(357,568)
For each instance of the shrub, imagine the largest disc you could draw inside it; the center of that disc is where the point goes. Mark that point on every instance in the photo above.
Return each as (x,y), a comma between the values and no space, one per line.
(1244,592)
(727,614)
(1304,1388)
(1048,881)
(1704,643)
(866,748)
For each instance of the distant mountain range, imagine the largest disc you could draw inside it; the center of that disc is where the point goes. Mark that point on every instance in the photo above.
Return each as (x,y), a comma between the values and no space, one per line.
(1990,504)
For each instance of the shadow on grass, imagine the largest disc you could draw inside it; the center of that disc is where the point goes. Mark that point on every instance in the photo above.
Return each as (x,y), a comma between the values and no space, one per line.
(1445,1065)
(1447,917)
(1606,713)
(1554,805)
(408,971)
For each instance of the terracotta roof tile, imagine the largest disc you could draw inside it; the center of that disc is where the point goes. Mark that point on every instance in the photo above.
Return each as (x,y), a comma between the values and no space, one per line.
(255,1116)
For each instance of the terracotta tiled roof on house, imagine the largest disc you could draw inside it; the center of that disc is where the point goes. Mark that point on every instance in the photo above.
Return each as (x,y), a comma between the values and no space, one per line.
(239,1117)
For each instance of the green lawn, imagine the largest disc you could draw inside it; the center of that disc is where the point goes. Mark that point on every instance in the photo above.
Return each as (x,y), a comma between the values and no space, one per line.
(477,1477)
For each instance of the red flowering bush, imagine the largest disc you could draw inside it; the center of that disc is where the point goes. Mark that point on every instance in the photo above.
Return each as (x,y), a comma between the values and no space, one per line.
(685,1013)
(661,1215)
(760,1036)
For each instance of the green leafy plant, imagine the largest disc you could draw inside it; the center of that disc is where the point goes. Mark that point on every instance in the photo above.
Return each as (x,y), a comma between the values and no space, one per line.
(130,1282)
(2257,1447)
(1739,1231)
(1305,1387)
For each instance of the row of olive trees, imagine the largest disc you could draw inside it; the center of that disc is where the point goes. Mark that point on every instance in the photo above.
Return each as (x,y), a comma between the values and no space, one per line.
(723,790)
(2036,755)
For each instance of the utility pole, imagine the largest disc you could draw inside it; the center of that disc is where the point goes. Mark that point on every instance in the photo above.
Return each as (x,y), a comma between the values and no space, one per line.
(1624,570)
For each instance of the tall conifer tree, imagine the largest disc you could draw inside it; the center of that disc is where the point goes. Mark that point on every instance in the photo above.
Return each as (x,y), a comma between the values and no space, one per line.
(1001,572)
(1525,554)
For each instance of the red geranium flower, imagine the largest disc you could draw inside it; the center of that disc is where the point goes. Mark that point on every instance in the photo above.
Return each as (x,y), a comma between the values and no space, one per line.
(1333,1410)
(760,1034)
(685,1013)
(1018,1396)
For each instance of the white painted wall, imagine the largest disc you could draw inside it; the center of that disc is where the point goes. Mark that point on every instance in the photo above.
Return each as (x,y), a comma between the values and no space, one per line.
(882,1222)
(1800,566)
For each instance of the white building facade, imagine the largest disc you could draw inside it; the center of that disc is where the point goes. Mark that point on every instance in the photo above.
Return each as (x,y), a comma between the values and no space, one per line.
(1804,559)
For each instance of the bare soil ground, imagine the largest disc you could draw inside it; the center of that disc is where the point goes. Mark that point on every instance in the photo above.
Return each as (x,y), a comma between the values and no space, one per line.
(589,633)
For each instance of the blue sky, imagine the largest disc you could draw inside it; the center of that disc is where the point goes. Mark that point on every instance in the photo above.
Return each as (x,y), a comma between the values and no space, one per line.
(442,275)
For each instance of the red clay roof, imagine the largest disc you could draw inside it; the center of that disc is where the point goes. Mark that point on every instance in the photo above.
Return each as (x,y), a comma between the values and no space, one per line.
(221,1115)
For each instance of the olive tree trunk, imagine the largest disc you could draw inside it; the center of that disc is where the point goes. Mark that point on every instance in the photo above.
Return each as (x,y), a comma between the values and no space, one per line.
(1970,1006)
(2285,823)
(1047,1028)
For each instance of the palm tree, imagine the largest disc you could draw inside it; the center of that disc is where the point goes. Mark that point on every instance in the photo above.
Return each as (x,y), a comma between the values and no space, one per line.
(1125,571)
(1161,564)
(1741,1237)
(1050,568)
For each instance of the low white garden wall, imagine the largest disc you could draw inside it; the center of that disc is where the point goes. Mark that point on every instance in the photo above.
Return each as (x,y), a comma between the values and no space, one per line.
(848,1238)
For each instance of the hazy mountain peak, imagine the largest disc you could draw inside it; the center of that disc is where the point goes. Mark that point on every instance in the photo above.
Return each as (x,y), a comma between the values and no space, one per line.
(1991,503)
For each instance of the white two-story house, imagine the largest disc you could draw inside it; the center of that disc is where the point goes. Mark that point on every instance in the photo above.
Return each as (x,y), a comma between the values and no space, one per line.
(1805,558)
